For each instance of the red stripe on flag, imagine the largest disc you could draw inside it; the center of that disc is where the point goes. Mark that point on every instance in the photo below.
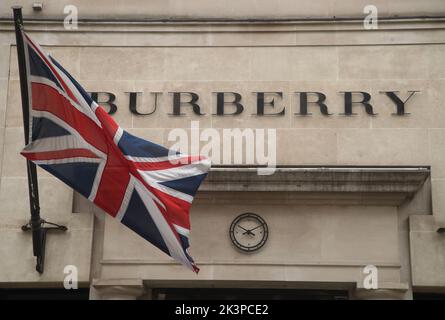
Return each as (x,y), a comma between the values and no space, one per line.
(107,121)
(114,180)
(46,98)
(60,154)
(43,57)
(162,165)
(112,187)
(177,210)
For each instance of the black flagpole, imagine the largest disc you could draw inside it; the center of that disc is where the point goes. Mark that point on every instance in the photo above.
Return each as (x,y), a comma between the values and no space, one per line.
(36,222)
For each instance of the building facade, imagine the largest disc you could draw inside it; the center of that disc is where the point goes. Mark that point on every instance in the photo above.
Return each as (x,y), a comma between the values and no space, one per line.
(358,124)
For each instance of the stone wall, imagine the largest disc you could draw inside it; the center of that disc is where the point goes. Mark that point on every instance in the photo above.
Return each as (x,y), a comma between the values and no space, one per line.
(231,9)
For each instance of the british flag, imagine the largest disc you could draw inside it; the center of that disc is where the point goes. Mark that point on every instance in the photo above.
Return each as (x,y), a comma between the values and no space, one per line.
(145,186)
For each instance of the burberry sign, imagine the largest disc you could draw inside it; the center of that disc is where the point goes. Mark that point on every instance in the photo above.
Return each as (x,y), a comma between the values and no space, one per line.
(266,103)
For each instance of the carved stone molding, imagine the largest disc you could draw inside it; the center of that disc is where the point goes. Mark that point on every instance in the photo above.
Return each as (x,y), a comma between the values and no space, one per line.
(119,289)
(388,185)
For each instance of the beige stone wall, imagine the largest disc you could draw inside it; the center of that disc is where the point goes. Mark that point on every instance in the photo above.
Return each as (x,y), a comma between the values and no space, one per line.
(306,243)
(333,242)
(230,9)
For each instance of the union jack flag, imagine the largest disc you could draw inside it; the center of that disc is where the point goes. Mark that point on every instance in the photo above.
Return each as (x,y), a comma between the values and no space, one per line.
(145,186)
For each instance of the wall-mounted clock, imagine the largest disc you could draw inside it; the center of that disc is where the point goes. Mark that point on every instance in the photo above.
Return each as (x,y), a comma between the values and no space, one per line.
(248,232)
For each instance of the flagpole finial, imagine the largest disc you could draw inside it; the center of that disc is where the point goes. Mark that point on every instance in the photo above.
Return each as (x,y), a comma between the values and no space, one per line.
(17,9)
(18,18)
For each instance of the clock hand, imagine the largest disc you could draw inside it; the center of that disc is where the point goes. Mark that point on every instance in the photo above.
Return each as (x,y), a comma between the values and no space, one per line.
(257,227)
(247,231)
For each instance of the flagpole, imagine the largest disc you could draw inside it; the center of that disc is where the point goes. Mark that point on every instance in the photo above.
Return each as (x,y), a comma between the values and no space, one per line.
(36,222)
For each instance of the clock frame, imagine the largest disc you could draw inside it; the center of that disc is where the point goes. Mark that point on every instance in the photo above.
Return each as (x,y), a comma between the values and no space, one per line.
(252,238)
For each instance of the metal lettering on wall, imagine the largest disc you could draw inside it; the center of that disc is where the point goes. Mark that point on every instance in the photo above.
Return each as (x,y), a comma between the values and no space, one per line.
(267,103)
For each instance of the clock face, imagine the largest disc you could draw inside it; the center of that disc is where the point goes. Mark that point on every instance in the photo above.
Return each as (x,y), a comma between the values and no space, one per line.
(248,232)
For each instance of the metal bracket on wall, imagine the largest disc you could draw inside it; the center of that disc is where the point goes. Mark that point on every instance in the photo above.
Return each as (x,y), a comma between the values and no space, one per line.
(39,230)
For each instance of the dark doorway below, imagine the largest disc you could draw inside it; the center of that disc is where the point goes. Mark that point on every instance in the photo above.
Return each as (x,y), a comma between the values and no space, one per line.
(44,294)
(246,294)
